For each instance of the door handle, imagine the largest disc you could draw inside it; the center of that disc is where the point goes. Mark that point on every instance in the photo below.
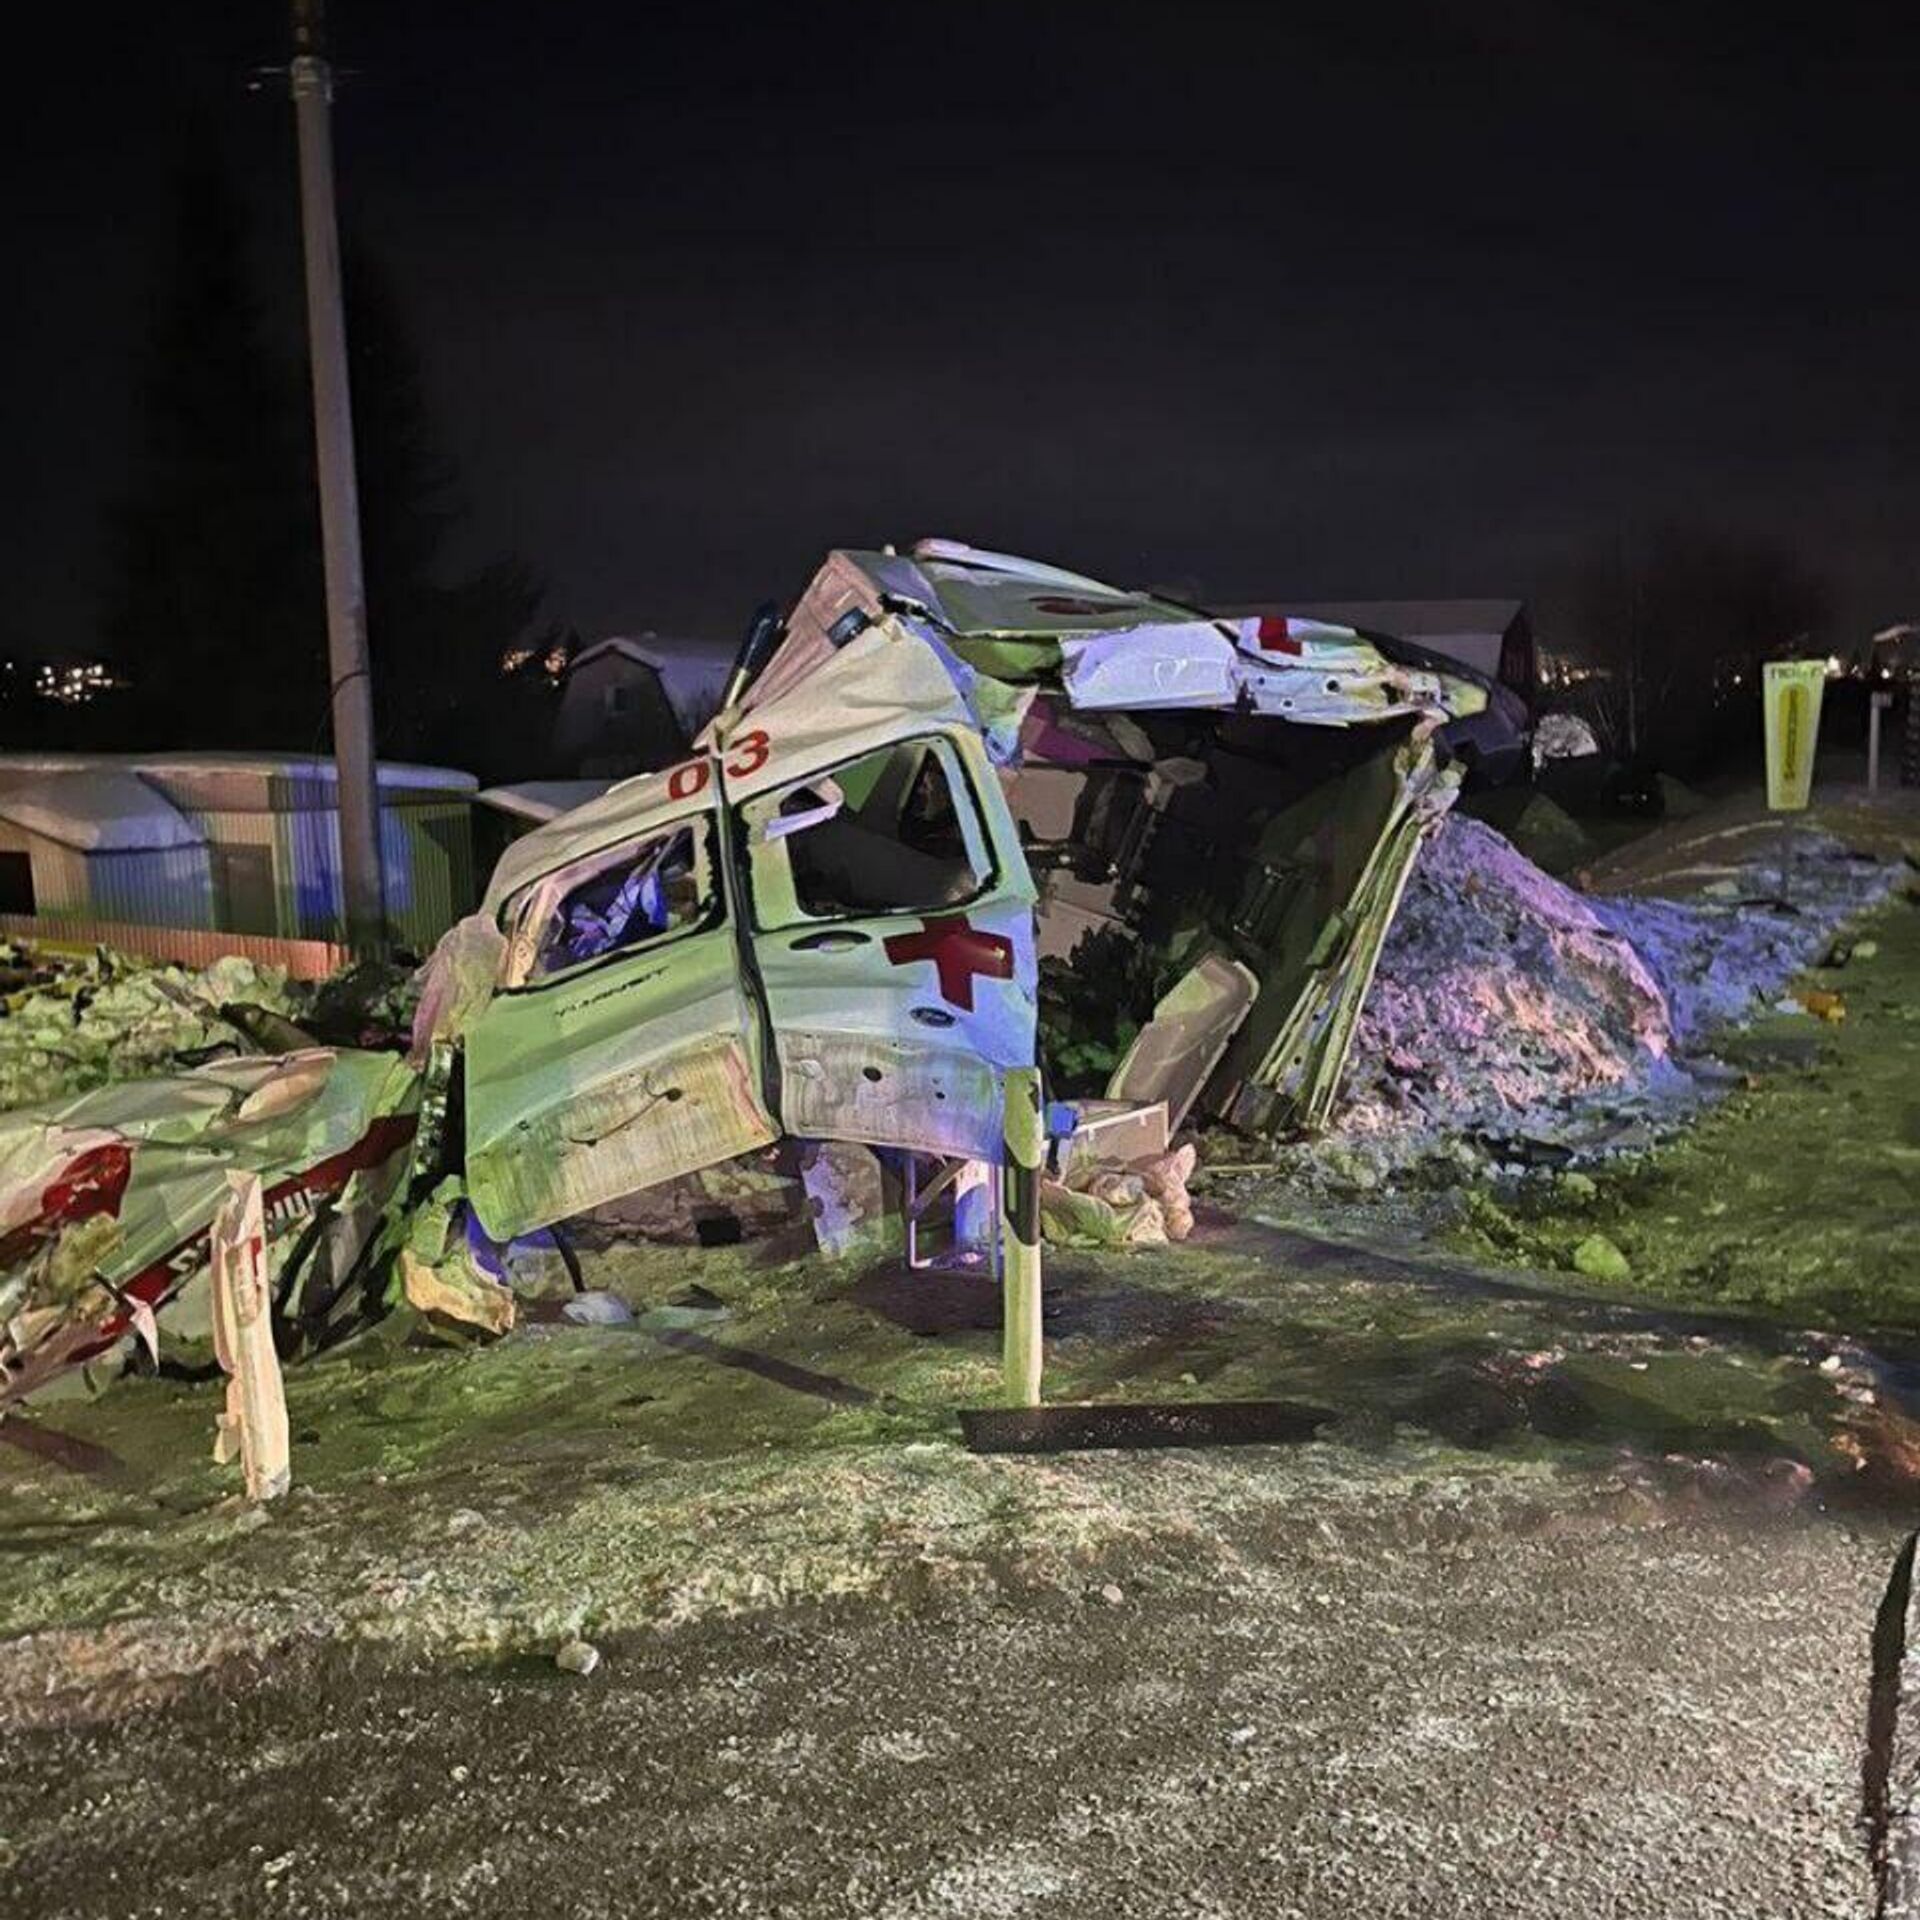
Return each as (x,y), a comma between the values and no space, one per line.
(838,941)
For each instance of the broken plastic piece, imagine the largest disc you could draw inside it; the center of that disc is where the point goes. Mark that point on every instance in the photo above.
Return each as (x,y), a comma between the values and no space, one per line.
(1174,1055)
(253,1426)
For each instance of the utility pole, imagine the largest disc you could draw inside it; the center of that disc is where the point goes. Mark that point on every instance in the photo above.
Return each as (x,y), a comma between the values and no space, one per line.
(352,695)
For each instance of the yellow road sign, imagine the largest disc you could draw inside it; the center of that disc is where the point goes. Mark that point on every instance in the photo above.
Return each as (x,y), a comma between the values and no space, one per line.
(1790,692)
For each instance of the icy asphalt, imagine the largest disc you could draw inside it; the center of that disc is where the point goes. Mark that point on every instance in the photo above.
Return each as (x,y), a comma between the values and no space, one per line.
(1583,1713)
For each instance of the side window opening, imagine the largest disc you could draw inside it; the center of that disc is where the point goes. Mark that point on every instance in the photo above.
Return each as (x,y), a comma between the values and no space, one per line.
(892,832)
(616,902)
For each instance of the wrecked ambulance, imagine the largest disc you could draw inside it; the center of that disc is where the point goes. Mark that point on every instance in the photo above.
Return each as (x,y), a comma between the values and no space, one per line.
(827,923)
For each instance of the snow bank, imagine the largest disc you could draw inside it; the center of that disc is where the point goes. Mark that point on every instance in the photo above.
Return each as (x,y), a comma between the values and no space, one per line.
(1511,1007)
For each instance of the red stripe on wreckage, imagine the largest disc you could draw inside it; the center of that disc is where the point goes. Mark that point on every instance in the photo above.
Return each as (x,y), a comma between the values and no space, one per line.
(283,1205)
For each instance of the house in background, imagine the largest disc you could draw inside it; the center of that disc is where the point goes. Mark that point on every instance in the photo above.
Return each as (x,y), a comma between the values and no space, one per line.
(632,705)
(502,814)
(226,842)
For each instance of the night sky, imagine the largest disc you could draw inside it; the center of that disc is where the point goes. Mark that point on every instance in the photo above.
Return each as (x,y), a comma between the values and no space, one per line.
(1373,302)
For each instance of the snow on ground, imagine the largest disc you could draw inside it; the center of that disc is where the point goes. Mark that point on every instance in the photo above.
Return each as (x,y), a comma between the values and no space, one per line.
(1510,1007)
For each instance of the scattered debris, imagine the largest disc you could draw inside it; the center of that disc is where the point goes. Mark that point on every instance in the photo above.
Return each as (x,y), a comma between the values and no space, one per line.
(1820,1003)
(597,1310)
(253,1428)
(577,1656)
(76,1023)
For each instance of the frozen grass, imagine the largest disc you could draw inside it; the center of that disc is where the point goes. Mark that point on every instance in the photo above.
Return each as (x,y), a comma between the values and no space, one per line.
(1800,1192)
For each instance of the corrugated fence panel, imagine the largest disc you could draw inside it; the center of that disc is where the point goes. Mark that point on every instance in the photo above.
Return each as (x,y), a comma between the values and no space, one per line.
(59,873)
(306,872)
(425,849)
(185,946)
(167,887)
(437,859)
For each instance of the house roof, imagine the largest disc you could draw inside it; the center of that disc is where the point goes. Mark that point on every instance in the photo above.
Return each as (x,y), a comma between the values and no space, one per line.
(541,799)
(99,810)
(394,774)
(693,672)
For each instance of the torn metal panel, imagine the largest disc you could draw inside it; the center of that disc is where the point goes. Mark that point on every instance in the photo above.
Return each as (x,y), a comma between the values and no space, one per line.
(1294,1076)
(1109,648)
(845,1198)
(253,1426)
(612,1085)
(1327,676)
(1174,1055)
(621,1048)
(112,1195)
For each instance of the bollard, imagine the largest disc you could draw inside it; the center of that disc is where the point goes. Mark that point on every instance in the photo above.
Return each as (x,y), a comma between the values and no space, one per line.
(1025,1152)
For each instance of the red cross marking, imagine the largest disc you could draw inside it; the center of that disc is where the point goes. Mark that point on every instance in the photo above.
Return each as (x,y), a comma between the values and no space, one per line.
(958,951)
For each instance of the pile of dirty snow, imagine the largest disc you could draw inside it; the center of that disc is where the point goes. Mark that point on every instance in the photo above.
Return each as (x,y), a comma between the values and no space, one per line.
(106,1017)
(1513,1015)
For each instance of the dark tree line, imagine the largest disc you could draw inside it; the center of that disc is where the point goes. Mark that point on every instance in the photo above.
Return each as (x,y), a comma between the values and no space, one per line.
(1678,622)
(215,608)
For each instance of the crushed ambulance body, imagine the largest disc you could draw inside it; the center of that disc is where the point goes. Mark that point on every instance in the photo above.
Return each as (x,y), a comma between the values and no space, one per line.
(826,923)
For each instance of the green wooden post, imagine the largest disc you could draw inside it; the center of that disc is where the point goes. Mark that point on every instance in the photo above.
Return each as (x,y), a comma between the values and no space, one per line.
(1026,1147)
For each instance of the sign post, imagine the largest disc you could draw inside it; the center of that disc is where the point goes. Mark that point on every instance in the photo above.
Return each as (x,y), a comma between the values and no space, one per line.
(1790,692)
(1877,704)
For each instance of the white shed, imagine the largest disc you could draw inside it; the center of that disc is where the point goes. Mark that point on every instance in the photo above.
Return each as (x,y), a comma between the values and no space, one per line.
(234,842)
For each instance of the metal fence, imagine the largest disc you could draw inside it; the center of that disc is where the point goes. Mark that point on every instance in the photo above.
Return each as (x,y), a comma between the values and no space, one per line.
(184,946)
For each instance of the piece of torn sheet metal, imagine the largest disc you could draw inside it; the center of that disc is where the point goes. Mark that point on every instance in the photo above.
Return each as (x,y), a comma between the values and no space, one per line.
(110,1196)
(1106,648)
